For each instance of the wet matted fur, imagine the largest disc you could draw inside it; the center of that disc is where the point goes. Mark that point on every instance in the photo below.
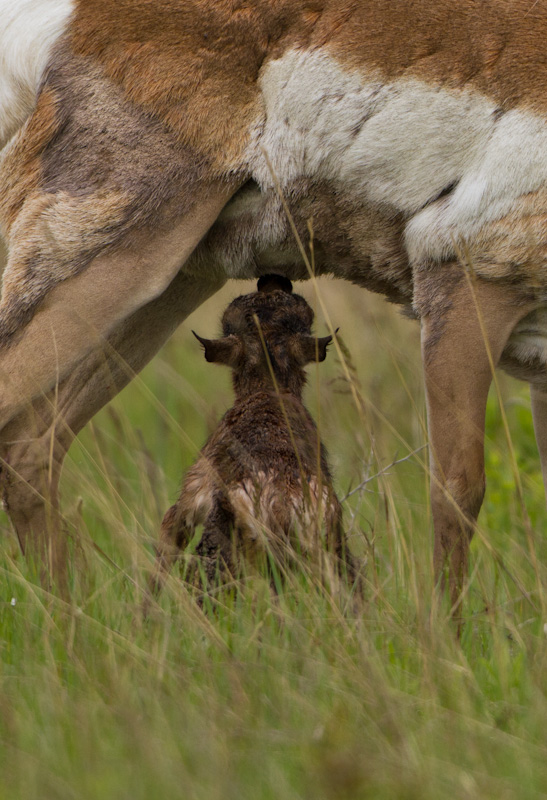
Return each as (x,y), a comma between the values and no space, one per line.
(261,485)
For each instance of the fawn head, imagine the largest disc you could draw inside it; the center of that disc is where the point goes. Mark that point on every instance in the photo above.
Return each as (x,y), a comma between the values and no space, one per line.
(267,339)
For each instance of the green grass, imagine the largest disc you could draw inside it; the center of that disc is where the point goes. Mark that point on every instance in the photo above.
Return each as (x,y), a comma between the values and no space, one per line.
(295,697)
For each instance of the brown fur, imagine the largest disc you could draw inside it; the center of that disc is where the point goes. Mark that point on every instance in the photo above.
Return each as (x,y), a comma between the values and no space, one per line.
(495,47)
(129,195)
(174,94)
(261,482)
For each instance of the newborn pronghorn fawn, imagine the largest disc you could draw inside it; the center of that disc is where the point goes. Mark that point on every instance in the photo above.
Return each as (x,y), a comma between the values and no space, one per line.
(261,483)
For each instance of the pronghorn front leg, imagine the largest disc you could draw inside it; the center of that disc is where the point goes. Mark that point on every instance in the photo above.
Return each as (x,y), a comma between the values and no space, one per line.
(465,326)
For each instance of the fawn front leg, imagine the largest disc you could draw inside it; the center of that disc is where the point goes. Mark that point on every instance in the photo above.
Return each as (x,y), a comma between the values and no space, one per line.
(337,545)
(175,534)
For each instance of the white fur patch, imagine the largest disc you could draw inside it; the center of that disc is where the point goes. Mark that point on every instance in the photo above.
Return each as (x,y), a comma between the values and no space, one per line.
(399,144)
(511,163)
(28,30)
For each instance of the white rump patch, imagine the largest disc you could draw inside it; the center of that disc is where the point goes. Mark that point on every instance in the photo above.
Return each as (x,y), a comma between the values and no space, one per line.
(28,30)
(511,163)
(399,144)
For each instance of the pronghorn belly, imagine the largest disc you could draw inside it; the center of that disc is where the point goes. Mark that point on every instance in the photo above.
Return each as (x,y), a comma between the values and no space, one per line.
(352,238)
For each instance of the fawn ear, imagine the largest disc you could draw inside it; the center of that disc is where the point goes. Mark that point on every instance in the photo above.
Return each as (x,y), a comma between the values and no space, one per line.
(308,348)
(221,351)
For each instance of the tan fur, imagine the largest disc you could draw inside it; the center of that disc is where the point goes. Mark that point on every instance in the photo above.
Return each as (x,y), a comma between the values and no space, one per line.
(411,132)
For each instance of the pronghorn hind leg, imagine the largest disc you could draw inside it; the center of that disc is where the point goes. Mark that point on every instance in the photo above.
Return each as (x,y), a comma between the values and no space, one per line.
(457,313)
(29,480)
(538,396)
(79,313)
(36,440)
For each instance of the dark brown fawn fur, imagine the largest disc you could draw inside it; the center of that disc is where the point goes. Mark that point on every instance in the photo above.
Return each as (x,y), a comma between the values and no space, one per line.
(261,482)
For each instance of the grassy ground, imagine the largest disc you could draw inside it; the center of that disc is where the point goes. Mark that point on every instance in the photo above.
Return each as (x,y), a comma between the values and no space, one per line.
(299,697)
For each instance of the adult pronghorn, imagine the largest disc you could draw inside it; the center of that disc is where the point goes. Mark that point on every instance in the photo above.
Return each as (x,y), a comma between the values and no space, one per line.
(134,182)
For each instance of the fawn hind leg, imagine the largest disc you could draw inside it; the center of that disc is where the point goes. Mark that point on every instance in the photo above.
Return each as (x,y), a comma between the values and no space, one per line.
(216,547)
